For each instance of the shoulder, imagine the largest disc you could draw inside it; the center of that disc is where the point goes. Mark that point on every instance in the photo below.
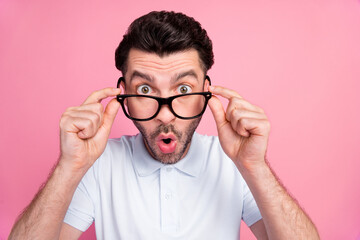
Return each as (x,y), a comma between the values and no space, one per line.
(116,150)
(208,147)
(124,141)
(115,146)
(206,139)
(115,159)
(215,155)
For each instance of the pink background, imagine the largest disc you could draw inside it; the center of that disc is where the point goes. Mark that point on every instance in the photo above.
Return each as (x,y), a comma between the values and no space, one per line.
(299,60)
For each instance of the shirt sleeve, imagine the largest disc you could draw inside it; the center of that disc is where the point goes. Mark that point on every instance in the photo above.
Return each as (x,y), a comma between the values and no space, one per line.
(81,211)
(251,213)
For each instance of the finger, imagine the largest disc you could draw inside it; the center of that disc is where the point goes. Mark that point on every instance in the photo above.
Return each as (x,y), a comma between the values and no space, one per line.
(240,128)
(217,111)
(83,127)
(95,117)
(99,95)
(109,115)
(95,107)
(224,92)
(237,114)
(240,104)
(251,126)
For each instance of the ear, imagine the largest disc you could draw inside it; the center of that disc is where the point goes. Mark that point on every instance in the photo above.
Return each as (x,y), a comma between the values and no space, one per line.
(121,83)
(207,83)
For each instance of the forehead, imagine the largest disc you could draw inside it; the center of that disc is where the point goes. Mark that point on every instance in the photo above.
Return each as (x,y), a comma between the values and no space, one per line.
(175,63)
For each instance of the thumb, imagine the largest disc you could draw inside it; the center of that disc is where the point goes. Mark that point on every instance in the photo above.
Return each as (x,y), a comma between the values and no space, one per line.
(109,115)
(217,111)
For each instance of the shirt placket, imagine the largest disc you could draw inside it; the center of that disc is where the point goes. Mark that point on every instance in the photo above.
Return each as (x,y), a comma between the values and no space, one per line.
(169,200)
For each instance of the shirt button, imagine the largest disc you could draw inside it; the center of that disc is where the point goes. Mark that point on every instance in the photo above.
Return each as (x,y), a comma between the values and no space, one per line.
(167,196)
(169,169)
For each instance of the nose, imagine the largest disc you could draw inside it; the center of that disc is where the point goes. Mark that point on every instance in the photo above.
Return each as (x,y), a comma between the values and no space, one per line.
(165,115)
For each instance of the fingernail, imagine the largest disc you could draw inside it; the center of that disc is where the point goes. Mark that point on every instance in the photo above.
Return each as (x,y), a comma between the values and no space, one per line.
(211,88)
(116,89)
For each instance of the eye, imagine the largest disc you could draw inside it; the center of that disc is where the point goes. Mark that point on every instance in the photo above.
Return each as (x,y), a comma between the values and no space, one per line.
(144,89)
(183,89)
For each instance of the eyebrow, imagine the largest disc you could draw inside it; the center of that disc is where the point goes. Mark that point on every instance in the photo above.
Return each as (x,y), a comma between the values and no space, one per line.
(184,74)
(141,75)
(173,80)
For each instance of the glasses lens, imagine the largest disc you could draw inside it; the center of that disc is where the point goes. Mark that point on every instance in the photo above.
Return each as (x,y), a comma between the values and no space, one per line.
(141,107)
(189,105)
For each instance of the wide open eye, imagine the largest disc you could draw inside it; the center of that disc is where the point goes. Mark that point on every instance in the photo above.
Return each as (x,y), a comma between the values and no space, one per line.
(144,89)
(183,89)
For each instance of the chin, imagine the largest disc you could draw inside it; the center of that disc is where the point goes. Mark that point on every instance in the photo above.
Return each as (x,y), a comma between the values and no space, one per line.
(168,158)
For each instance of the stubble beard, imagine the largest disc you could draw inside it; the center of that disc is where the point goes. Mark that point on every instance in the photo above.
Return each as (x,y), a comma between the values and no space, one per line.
(183,140)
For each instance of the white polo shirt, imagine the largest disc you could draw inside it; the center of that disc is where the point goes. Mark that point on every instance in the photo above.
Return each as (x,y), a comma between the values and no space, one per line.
(130,195)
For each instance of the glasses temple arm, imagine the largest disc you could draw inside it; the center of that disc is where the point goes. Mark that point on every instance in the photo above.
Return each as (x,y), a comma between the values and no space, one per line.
(208,78)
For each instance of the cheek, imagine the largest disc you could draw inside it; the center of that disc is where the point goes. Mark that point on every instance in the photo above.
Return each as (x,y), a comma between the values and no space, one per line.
(147,126)
(183,125)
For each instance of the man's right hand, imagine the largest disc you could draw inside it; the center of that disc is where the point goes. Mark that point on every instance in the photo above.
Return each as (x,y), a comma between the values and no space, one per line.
(84,130)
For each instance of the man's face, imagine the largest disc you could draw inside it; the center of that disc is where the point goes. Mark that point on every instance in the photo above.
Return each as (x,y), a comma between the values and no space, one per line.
(166,137)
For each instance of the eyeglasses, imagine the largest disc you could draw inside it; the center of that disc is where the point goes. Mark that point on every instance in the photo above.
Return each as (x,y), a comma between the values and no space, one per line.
(144,107)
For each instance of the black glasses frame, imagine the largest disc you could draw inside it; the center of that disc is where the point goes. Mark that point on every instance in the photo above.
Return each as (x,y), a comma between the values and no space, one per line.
(162,101)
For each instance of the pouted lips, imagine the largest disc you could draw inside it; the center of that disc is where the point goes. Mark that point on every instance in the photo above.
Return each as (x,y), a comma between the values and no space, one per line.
(166,142)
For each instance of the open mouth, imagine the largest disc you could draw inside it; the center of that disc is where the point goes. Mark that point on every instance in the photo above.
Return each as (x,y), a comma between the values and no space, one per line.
(167,140)
(166,143)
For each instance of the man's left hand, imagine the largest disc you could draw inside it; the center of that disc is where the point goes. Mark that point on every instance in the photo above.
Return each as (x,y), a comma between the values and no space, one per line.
(243,129)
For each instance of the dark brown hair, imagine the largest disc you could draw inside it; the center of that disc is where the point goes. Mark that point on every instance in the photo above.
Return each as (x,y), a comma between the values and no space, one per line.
(165,33)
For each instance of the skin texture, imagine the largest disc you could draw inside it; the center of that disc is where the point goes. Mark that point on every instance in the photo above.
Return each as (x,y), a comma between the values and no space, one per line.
(161,77)
(243,131)
(183,142)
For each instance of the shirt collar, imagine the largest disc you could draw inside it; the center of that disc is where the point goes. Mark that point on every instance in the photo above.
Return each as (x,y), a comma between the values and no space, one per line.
(191,164)
(143,162)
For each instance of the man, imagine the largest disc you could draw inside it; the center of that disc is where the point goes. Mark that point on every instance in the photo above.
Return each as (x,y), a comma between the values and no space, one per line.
(168,182)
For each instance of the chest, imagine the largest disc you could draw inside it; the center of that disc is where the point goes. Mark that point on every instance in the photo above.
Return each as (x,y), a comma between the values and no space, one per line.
(170,203)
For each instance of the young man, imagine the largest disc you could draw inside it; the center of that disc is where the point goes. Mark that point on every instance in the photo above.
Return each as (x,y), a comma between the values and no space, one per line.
(167,182)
